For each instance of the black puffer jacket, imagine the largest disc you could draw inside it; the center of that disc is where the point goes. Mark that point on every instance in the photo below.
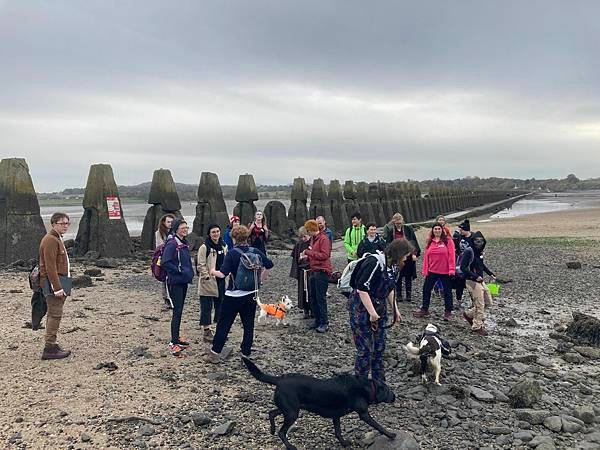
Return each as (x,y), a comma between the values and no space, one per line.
(472,264)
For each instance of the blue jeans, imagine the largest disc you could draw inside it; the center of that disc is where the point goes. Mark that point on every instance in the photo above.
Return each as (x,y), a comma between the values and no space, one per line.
(318,283)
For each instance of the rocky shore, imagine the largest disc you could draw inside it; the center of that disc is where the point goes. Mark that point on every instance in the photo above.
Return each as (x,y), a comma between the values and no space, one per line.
(527,385)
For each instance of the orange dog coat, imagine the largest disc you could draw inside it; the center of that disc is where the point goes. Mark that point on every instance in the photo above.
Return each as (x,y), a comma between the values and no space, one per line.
(275,310)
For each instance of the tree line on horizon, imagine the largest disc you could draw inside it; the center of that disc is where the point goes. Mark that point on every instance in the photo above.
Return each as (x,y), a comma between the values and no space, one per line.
(188,192)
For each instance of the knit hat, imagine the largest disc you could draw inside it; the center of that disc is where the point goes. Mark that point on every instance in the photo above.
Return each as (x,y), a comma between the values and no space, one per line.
(465,225)
(311,225)
(175,224)
(234,219)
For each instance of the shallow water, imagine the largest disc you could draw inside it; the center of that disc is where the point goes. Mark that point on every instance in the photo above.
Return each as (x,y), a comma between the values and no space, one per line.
(531,206)
(134,213)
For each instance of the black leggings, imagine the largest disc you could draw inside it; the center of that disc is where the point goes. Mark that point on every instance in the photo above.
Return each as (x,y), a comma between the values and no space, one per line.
(428,286)
(177,292)
(232,306)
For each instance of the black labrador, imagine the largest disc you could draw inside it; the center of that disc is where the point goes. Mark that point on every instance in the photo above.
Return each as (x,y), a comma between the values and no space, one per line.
(333,398)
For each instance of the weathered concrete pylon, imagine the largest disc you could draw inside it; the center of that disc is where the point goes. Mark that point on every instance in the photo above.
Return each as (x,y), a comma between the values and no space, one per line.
(21,225)
(298,212)
(245,194)
(338,210)
(211,206)
(319,202)
(164,199)
(102,228)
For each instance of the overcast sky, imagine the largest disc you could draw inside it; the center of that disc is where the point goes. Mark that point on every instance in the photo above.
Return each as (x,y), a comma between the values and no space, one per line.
(331,89)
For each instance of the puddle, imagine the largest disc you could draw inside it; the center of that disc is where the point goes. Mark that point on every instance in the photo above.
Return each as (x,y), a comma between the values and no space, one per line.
(530,206)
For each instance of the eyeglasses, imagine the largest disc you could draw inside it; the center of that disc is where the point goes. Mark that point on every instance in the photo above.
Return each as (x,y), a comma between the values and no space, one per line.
(63,223)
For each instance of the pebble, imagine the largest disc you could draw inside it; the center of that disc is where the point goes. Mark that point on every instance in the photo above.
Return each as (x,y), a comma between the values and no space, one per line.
(146,430)
(224,429)
(553,423)
(481,394)
(85,437)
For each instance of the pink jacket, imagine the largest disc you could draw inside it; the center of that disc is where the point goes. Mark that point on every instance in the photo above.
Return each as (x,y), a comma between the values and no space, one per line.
(439,258)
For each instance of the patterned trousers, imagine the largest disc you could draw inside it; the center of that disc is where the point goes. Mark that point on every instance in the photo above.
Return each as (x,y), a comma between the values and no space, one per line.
(370,344)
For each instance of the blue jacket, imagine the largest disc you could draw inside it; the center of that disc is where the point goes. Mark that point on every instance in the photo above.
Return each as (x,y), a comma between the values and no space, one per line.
(329,234)
(227,237)
(177,262)
(232,261)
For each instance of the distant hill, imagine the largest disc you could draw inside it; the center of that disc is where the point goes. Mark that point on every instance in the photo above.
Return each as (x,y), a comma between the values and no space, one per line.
(188,192)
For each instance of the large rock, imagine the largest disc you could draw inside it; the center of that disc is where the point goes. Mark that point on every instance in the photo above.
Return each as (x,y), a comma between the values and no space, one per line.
(211,206)
(102,228)
(21,225)
(277,220)
(584,330)
(525,393)
(298,212)
(338,210)
(403,441)
(164,199)
(246,189)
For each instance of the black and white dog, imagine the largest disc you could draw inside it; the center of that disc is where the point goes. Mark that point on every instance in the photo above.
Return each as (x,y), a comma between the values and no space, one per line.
(430,350)
(332,398)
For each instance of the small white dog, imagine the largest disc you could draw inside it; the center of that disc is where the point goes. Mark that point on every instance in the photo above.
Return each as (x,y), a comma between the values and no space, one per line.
(278,311)
(429,352)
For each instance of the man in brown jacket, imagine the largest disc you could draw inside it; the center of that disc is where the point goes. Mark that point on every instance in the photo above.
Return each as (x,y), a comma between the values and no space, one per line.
(54,262)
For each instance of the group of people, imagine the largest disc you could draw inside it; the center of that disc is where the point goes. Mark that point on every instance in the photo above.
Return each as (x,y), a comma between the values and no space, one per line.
(384,268)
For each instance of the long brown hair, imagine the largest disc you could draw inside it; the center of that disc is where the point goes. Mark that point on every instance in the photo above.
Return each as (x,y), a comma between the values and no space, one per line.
(444,237)
(162,228)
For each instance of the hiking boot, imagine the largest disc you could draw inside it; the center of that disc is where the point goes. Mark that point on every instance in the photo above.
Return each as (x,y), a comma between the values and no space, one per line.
(208,336)
(480,331)
(467,318)
(322,329)
(448,316)
(212,357)
(419,313)
(53,351)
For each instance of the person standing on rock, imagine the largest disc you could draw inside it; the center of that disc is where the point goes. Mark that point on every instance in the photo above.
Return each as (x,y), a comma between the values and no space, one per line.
(54,263)
(211,290)
(323,227)
(462,238)
(177,263)
(237,301)
(318,254)
(372,242)
(161,235)
(234,222)
(438,264)
(373,282)
(299,271)
(353,236)
(473,267)
(392,231)
(259,232)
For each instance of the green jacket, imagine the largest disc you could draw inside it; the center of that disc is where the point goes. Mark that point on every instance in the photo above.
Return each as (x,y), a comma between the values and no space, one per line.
(353,237)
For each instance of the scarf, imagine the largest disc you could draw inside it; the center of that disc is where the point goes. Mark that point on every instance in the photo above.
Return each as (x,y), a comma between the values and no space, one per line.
(218,248)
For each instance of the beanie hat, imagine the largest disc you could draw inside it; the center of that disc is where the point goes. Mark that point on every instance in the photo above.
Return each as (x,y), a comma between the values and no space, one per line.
(234,219)
(465,225)
(175,224)
(311,225)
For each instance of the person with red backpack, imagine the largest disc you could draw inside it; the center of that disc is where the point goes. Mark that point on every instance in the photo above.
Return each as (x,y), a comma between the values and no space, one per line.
(177,263)
(245,266)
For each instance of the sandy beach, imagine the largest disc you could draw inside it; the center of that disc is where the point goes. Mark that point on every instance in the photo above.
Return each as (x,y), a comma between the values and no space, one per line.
(153,400)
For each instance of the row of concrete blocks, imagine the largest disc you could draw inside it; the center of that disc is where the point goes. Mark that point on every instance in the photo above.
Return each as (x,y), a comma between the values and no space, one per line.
(103,230)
